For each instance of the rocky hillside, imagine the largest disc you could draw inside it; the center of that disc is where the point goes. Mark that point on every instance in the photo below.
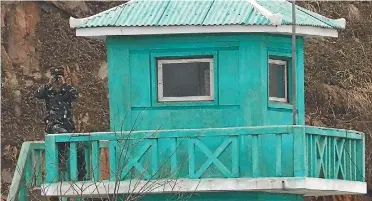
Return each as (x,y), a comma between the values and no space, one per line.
(36,36)
(338,74)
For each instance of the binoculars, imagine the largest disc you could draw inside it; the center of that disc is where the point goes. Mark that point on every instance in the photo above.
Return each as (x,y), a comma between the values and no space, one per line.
(56,73)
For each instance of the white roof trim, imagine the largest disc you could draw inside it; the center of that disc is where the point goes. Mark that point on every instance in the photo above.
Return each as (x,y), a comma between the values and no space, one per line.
(102,32)
(341,22)
(76,22)
(276,19)
(293,185)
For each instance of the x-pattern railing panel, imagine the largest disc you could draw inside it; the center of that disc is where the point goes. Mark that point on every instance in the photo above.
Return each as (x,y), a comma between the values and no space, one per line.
(133,161)
(339,157)
(335,157)
(212,158)
(321,144)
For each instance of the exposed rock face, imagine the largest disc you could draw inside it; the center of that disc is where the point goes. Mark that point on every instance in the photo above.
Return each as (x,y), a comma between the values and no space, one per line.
(22,36)
(74,8)
(102,72)
(3,13)
(36,36)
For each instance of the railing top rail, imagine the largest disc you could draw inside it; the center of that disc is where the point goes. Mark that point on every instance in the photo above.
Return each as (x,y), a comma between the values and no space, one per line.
(178,133)
(26,149)
(332,132)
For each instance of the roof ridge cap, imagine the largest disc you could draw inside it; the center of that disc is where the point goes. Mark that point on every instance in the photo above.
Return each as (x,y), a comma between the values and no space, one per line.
(340,21)
(276,18)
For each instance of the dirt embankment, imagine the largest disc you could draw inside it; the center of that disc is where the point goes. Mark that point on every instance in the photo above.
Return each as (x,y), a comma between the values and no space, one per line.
(36,36)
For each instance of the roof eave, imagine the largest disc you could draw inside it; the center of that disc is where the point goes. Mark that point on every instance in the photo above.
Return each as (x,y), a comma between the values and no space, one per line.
(340,22)
(75,23)
(102,32)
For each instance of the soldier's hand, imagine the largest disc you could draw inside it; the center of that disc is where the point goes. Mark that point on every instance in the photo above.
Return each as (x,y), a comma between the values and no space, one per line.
(50,80)
(68,81)
(62,79)
(67,72)
(70,78)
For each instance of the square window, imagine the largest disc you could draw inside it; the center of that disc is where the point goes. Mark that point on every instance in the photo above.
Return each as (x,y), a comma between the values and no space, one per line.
(278,80)
(185,79)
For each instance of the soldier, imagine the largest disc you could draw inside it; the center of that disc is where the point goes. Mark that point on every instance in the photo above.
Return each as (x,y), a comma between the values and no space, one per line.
(58,95)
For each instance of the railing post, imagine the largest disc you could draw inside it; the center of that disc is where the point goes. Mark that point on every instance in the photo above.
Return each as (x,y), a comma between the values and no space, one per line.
(73,162)
(255,156)
(363,158)
(87,157)
(113,161)
(23,192)
(96,168)
(37,159)
(28,170)
(51,160)
(360,161)
(299,152)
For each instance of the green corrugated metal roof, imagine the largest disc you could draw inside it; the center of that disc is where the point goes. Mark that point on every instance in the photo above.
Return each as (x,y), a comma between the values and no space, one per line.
(203,13)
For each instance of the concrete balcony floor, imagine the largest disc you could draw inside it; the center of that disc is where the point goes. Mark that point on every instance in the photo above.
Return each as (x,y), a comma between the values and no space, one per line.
(305,186)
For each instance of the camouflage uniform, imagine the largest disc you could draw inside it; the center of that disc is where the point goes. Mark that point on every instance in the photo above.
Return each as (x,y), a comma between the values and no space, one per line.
(59,115)
(58,105)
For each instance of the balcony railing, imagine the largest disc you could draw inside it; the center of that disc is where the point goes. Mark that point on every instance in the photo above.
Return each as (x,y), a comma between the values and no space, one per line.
(28,172)
(243,152)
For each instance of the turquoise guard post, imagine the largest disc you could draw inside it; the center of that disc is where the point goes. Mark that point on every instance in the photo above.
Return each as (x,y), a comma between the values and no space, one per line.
(241,82)
(238,135)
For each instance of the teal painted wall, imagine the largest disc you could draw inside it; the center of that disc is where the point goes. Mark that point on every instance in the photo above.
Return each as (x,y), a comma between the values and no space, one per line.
(241,87)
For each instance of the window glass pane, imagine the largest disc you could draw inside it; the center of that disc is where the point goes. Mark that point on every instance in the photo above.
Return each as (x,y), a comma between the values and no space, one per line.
(277,83)
(186,79)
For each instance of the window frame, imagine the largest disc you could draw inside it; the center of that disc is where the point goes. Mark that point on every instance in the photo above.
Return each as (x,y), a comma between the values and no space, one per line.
(159,66)
(279,61)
